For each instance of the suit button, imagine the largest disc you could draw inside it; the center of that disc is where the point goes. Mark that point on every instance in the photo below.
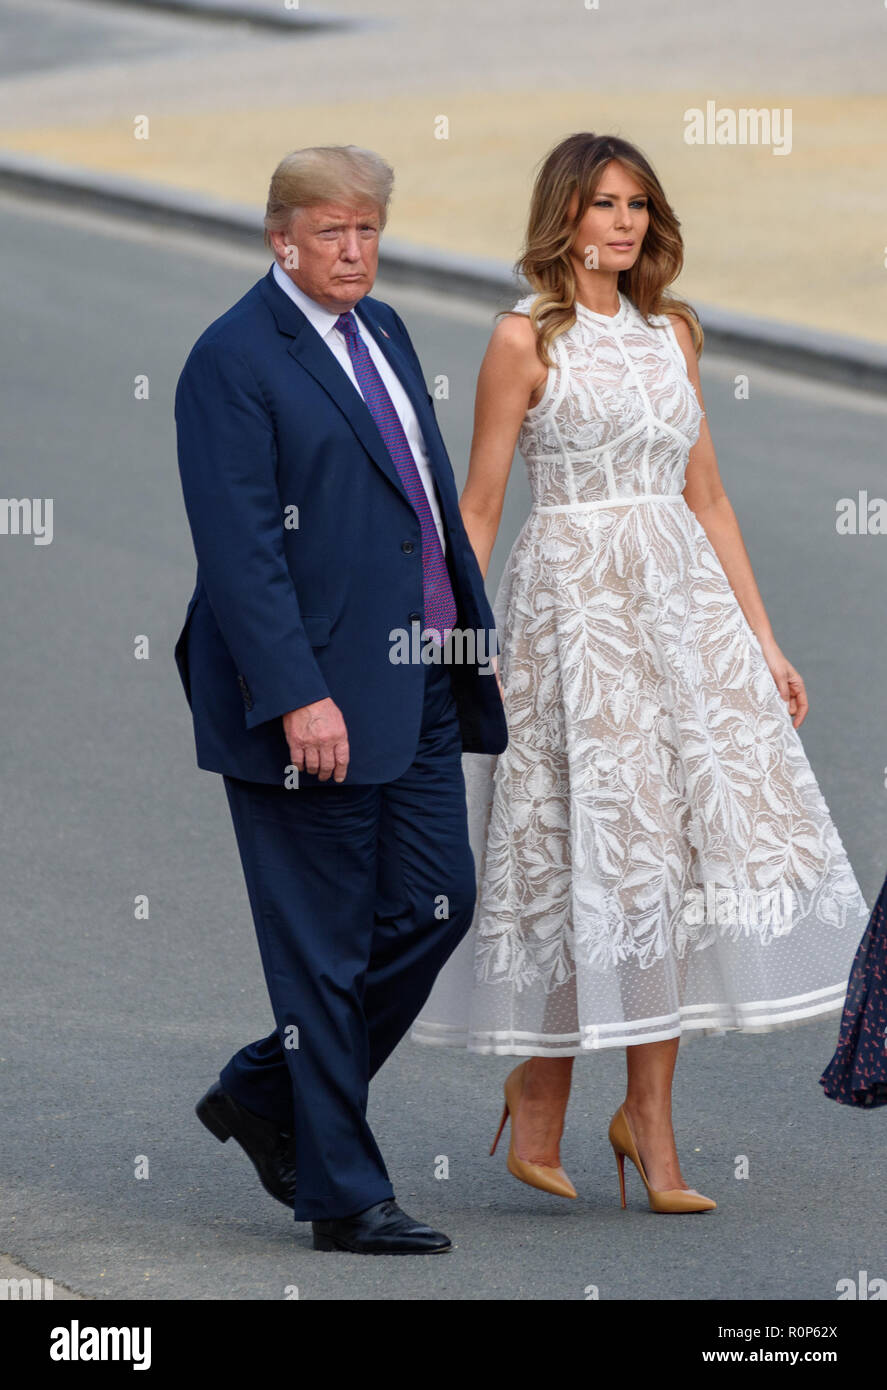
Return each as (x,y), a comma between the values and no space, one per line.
(407,547)
(415,617)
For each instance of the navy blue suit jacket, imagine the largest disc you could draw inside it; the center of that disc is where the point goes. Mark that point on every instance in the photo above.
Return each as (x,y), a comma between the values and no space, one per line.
(291,606)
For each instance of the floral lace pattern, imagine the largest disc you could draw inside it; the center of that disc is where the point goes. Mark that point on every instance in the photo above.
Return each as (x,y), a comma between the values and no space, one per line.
(650,753)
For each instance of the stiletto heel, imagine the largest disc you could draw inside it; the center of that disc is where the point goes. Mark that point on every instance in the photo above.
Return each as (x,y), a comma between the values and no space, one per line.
(671,1200)
(500,1129)
(620,1164)
(534,1174)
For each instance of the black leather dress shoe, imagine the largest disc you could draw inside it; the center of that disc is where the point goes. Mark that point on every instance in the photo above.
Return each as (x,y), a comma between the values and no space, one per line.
(270,1150)
(380,1230)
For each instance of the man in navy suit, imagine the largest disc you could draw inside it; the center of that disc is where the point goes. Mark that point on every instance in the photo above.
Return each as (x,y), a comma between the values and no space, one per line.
(330,555)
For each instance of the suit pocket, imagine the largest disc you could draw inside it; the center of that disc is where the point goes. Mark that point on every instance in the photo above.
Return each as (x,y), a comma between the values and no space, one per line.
(317,628)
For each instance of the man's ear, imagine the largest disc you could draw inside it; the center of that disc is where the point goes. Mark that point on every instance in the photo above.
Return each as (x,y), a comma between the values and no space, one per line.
(284,246)
(279,243)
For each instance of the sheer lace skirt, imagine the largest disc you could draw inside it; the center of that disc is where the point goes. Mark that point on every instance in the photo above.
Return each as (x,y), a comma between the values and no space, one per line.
(654,856)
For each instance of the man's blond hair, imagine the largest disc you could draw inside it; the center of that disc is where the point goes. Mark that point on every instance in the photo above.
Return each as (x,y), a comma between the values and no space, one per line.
(326,174)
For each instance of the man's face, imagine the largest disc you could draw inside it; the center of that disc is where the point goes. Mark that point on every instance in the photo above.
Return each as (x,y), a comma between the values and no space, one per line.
(331,251)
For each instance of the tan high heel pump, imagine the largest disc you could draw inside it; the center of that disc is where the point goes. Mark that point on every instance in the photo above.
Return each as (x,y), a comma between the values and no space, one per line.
(535,1174)
(675,1198)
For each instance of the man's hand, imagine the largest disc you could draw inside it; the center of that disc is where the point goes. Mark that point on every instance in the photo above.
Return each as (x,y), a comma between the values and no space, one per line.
(318,739)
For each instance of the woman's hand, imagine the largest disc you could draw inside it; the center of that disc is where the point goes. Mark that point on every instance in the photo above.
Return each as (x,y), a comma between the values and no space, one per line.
(494,661)
(788,681)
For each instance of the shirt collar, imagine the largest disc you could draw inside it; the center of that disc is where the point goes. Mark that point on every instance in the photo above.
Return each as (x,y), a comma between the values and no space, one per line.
(320,319)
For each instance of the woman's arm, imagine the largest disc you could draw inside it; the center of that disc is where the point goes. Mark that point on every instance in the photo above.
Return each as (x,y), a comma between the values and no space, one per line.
(704,494)
(511,375)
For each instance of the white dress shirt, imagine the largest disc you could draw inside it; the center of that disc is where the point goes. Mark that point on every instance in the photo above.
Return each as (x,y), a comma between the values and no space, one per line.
(323,321)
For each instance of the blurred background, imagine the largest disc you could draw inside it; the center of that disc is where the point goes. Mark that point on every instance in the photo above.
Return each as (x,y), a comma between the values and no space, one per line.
(799,237)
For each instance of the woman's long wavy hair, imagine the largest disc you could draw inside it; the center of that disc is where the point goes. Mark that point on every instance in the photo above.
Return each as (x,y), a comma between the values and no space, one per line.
(573,167)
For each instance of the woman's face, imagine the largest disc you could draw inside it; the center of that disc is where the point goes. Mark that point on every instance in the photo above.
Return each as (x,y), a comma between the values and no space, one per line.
(614,225)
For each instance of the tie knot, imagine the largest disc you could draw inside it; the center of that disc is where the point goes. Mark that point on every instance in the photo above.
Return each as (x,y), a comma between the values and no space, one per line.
(347,324)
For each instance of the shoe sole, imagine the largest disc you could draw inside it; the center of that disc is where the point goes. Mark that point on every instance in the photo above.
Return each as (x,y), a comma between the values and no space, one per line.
(326,1243)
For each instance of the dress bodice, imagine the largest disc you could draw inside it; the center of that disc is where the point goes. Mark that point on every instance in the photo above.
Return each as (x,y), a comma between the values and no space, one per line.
(618,416)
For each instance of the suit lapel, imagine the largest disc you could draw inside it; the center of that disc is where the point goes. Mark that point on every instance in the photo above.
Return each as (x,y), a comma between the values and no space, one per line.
(312,353)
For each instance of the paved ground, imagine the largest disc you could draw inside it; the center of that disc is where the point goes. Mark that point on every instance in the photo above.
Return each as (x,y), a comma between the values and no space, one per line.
(21,1284)
(111,1028)
(798,237)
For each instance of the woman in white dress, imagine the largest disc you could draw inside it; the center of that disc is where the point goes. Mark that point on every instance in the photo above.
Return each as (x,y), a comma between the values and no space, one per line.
(654,857)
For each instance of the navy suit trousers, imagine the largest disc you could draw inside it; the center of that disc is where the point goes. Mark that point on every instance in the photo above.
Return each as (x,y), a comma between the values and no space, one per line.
(359,894)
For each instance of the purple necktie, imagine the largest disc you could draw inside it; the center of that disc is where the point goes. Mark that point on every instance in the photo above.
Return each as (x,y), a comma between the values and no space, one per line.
(439,603)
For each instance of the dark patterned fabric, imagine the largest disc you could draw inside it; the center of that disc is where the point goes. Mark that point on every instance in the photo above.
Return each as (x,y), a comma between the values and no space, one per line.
(857,1074)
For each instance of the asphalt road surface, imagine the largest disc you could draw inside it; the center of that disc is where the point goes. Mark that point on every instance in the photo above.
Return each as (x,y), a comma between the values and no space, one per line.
(112,1027)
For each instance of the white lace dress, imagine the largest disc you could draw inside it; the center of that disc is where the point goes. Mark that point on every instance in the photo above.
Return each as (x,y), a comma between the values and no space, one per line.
(654,857)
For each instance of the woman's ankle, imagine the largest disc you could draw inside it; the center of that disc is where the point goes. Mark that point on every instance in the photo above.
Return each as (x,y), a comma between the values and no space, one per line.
(649,1109)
